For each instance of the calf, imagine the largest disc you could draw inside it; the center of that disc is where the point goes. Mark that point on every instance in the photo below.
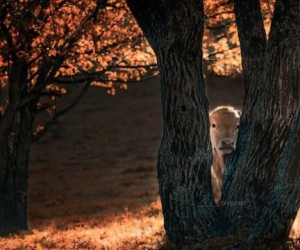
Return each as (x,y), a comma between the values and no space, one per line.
(224,126)
(295,230)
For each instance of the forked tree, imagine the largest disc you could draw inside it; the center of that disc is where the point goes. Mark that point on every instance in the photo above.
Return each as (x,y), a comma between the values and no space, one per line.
(261,181)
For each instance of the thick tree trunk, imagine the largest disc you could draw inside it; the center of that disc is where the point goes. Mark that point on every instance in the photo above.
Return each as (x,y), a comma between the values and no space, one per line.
(255,172)
(184,160)
(175,30)
(284,200)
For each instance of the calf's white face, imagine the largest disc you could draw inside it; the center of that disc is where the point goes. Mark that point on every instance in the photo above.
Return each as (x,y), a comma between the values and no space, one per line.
(224,126)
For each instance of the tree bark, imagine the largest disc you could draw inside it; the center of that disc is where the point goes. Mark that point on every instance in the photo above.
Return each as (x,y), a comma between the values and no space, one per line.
(175,30)
(255,171)
(284,199)
(257,174)
(253,41)
(16,138)
(15,161)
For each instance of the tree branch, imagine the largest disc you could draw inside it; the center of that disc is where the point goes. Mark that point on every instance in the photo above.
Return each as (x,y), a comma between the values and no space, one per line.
(95,76)
(45,76)
(7,35)
(220,52)
(130,81)
(78,29)
(219,13)
(219,26)
(253,39)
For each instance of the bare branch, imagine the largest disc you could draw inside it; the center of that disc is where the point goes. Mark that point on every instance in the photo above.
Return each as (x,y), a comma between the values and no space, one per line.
(220,52)
(148,66)
(219,26)
(219,13)
(44,77)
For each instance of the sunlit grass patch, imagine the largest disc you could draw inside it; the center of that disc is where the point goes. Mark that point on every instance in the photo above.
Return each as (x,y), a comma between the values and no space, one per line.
(141,230)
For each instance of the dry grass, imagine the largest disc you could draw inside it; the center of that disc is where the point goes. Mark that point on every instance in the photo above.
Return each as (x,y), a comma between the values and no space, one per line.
(141,230)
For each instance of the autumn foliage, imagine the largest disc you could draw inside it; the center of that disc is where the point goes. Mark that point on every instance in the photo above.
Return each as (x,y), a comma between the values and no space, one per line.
(221,42)
(98,42)
(95,42)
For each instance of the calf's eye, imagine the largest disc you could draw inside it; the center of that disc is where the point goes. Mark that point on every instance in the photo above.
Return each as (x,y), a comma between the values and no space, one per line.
(237,126)
(213,125)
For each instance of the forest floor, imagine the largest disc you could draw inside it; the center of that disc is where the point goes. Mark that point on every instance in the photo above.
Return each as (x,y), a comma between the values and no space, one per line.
(93,182)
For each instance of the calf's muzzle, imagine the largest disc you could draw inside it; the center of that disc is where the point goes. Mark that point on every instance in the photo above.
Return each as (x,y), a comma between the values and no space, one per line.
(227,144)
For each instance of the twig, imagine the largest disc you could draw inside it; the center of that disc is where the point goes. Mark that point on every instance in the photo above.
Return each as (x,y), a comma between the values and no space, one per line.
(131,81)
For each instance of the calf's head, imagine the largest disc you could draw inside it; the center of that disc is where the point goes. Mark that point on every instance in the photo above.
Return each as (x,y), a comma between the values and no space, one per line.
(224,126)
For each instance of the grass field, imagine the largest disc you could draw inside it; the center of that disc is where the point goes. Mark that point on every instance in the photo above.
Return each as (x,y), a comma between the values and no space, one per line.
(93,182)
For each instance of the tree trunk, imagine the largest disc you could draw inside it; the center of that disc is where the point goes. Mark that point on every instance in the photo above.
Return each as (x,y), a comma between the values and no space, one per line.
(253,42)
(264,135)
(16,138)
(284,200)
(183,160)
(175,31)
(13,191)
(257,174)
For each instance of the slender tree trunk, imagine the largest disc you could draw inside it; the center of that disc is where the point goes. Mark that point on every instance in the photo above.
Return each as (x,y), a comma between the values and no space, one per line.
(15,162)
(253,42)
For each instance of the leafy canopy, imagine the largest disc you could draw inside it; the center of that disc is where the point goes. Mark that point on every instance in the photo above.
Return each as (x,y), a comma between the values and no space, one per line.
(67,42)
(60,43)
